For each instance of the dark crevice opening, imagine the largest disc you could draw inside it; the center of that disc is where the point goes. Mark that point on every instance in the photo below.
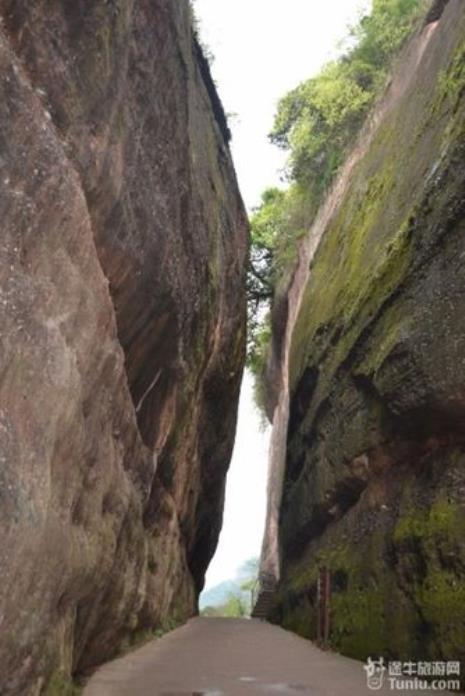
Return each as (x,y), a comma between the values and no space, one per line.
(436,11)
(217,106)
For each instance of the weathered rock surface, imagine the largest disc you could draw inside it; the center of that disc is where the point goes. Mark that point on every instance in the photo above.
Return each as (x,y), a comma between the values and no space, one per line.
(122,313)
(374,484)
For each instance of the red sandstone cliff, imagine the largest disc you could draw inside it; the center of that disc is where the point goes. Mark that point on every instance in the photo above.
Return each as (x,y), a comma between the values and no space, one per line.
(122,314)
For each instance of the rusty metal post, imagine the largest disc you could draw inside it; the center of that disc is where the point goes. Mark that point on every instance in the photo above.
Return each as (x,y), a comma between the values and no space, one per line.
(323,606)
(327,606)
(318,607)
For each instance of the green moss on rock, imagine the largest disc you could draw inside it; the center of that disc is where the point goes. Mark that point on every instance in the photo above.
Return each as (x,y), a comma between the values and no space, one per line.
(380,329)
(61,685)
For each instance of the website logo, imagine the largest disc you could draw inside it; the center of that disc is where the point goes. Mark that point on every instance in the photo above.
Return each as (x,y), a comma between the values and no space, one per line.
(413,676)
(375,671)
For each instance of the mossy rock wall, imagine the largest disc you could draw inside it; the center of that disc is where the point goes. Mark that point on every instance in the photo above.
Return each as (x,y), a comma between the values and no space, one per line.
(375,482)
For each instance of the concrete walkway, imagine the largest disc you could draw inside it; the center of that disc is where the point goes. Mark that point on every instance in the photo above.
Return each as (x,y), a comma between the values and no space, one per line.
(225,657)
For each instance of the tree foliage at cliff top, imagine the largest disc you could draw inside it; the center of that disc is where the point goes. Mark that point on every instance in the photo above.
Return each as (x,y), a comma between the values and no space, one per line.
(317,123)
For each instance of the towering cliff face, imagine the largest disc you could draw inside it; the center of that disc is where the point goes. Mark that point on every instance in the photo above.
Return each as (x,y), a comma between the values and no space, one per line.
(122,313)
(373,357)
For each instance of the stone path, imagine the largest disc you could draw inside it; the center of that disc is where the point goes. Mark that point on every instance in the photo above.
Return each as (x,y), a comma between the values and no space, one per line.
(225,657)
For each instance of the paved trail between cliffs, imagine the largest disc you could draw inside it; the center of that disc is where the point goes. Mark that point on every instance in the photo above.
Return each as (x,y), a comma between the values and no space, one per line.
(225,657)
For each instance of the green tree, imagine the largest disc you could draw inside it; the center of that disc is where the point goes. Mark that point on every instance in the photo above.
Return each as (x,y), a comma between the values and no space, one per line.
(236,606)
(318,120)
(239,601)
(317,123)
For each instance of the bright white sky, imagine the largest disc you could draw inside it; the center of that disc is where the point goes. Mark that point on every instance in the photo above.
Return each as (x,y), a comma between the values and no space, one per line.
(262,49)
(244,513)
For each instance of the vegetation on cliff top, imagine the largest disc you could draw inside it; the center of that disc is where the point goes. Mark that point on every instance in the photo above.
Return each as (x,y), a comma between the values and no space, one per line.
(317,123)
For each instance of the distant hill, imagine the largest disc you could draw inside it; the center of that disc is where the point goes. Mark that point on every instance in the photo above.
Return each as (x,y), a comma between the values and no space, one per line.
(218,595)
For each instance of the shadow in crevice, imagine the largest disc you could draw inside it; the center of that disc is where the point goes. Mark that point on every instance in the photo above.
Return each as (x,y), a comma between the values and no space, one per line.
(436,11)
